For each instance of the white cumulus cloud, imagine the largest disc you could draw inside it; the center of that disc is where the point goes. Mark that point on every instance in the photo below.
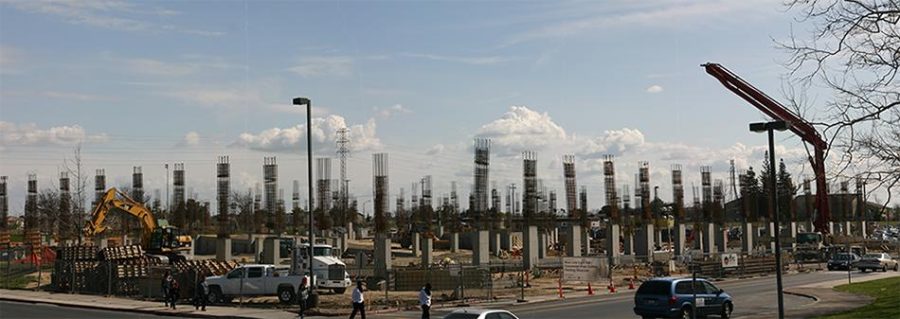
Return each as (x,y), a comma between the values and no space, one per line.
(654,89)
(30,134)
(522,128)
(324,132)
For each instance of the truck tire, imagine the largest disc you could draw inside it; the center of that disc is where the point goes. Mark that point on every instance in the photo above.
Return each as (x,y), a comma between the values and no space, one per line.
(339,291)
(215,295)
(285,294)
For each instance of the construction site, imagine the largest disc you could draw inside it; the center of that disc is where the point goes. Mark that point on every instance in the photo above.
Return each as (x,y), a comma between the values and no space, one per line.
(512,246)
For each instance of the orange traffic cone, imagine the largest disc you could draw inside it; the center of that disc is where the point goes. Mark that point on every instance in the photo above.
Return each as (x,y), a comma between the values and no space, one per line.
(590,290)
(612,287)
(630,283)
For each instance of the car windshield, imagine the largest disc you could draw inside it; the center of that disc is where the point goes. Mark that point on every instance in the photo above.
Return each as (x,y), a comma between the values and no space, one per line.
(654,287)
(872,256)
(462,316)
(842,257)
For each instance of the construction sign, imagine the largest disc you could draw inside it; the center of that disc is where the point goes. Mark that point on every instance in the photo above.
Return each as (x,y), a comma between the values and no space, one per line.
(584,268)
(729,260)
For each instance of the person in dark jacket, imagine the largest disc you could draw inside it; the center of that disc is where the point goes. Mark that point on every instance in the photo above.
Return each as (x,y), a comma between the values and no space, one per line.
(303,296)
(174,292)
(164,287)
(201,292)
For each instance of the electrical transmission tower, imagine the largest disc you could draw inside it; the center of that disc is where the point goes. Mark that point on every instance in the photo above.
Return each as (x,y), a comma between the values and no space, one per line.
(343,151)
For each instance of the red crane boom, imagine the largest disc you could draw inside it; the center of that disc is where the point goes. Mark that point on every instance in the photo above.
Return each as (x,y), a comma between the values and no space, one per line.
(798,125)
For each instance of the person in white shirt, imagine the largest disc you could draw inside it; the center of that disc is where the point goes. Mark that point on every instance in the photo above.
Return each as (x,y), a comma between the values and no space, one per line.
(425,301)
(359,300)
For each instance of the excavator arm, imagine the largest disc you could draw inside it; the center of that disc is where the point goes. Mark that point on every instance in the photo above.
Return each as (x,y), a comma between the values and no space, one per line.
(799,126)
(115,200)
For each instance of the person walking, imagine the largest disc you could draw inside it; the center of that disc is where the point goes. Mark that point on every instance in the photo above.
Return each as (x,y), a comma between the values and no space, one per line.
(359,300)
(164,287)
(425,301)
(174,292)
(201,293)
(303,296)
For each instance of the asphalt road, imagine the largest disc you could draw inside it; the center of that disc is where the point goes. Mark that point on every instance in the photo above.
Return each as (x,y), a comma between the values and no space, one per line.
(752,296)
(24,310)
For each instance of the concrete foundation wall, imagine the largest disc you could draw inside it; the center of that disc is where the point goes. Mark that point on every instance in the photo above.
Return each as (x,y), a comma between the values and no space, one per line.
(480,248)
(573,241)
(530,247)
(223,249)
(612,243)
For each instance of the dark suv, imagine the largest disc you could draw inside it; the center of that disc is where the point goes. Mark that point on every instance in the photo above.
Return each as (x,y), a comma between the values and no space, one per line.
(673,298)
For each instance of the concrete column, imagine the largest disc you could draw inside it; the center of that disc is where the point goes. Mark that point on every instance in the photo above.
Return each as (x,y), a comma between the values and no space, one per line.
(271,251)
(382,255)
(104,242)
(709,238)
(862,228)
(494,243)
(530,247)
(427,251)
(480,248)
(555,235)
(847,228)
(644,242)
(772,233)
(629,244)
(542,245)
(831,227)
(454,242)
(506,239)
(573,241)
(258,249)
(792,229)
(680,235)
(747,232)
(416,244)
(350,233)
(721,238)
(585,242)
(223,249)
(612,243)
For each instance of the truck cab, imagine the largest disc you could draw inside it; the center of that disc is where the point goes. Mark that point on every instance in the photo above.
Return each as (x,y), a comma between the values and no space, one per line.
(329,272)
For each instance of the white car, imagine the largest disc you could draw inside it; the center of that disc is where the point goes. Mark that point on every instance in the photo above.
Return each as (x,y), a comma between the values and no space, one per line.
(470,313)
(877,261)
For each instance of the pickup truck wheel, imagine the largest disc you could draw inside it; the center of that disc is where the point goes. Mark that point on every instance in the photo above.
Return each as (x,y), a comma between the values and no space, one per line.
(883,268)
(896,267)
(340,291)
(285,295)
(215,295)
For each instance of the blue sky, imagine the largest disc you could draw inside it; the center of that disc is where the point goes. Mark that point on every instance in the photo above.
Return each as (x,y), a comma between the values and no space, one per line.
(145,83)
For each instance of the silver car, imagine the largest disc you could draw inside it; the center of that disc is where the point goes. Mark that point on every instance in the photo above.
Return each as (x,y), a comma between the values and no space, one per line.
(878,261)
(470,313)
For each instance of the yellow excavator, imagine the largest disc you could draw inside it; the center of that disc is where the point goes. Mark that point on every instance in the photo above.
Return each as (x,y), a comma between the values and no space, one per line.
(158,239)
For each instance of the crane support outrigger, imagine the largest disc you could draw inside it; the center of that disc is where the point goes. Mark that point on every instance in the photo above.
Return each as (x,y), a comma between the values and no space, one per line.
(798,125)
(157,238)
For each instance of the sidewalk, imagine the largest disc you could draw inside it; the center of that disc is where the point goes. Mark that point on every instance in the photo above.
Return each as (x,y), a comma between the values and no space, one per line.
(828,301)
(148,307)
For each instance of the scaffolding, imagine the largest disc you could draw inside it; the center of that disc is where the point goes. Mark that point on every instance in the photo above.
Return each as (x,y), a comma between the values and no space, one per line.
(644,180)
(270,180)
(677,192)
(4,205)
(99,186)
(178,185)
(706,184)
(137,184)
(31,211)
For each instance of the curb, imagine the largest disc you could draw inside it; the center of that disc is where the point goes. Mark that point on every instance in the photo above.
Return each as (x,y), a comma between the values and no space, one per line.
(135,310)
(810,296)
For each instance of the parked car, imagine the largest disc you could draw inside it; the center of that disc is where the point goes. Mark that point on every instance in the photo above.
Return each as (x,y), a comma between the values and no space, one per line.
(879,261)
(254,280)
(470,313)
(674,298)
(845,261)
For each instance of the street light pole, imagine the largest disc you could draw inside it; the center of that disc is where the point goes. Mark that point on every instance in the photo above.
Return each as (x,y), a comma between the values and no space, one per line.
(770,128)
(309,159)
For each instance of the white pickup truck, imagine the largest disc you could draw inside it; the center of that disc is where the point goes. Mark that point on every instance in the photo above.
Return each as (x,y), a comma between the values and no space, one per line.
(254,280)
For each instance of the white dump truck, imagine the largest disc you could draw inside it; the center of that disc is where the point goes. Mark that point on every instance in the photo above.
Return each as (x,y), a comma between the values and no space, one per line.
(254,280)
(328,270)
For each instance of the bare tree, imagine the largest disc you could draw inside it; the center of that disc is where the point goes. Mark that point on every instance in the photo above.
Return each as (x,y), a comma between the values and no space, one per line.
(73,167)
(853,50)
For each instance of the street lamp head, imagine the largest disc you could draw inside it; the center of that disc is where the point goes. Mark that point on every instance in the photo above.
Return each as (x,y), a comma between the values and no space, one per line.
(301,101)
(760,127)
